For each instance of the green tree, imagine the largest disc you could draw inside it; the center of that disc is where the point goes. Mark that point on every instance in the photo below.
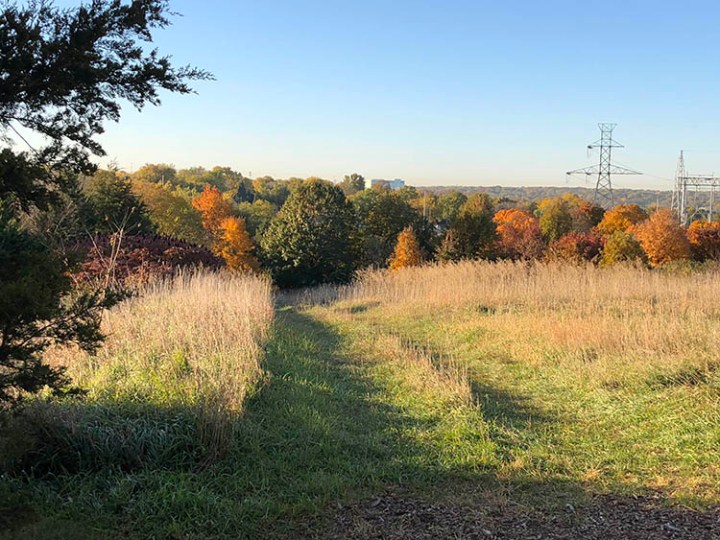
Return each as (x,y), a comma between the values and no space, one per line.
(382,214)
(449,205)
(352,184)
(310,241)
(113,206)
(555,218)
(155,172)
(622,247)
(64,73)
(474,228)
(36,311)
(258,216)
(171,212)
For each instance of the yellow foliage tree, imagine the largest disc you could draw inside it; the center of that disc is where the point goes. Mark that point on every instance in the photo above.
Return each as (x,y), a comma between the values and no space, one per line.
(235,246)
(621,219)
(213,209)
(407,251)
(662,238)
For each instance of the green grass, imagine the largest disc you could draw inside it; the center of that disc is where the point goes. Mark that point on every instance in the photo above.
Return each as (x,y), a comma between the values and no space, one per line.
(659,432)
(332,422)
(358,400)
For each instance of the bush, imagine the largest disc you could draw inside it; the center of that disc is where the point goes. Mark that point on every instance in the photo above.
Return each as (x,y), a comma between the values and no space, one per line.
(140,258)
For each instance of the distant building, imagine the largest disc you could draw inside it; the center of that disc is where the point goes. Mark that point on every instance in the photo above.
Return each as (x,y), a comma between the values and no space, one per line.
(392,184)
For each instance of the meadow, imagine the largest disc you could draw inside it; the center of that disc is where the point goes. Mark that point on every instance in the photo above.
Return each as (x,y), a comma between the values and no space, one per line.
(429,401)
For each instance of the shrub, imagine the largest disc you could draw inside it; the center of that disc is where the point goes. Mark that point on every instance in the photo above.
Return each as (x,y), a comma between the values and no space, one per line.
(139,258)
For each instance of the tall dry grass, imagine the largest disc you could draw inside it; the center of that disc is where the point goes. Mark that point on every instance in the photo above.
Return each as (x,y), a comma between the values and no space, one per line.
(194,342)
(604,320)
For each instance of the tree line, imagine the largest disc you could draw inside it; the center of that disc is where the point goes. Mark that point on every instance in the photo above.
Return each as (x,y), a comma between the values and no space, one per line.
(312,231)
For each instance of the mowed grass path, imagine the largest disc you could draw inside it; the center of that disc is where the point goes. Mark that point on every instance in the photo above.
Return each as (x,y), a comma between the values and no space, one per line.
(334,421)
(359,402)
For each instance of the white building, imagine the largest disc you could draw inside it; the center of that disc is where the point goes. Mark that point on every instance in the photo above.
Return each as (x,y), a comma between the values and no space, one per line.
(392,184)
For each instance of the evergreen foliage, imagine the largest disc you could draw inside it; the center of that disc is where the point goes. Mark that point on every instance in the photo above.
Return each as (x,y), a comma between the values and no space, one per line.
(310,241)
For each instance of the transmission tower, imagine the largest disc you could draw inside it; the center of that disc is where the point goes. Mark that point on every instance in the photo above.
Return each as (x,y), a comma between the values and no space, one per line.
(603,187)
(683,184)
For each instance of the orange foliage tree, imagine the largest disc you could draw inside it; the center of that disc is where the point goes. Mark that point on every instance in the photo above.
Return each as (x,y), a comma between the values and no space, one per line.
(519,235)
(662,238)
(704,239)
(621,219)
(576,247)
(407,251)
(235,246)
(213,208)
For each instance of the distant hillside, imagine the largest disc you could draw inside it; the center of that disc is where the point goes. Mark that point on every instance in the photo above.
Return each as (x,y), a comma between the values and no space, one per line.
(641,197)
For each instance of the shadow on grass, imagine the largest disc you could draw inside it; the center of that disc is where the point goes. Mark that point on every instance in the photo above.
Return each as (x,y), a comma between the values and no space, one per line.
(320,432)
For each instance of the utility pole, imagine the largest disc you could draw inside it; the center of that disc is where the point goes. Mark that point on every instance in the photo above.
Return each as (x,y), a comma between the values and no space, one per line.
(603,186)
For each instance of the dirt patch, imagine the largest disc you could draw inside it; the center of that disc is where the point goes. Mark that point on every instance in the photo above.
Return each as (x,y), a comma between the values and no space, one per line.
(392,516)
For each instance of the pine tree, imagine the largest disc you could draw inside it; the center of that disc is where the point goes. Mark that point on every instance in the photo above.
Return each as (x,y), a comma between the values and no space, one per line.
(449,250)
(407,251)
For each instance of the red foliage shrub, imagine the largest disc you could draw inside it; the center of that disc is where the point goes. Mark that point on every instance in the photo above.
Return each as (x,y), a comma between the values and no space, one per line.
(140,258)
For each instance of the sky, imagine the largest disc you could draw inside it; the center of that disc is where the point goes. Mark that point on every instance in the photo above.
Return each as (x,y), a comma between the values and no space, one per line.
(449,92)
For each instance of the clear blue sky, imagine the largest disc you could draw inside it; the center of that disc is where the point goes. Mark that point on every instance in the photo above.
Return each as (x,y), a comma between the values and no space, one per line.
(436,92)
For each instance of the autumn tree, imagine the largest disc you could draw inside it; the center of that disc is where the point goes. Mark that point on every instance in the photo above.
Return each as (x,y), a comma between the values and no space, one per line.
(622,247)
(235,246)
(519,235)
(704,240)
(621,219)
(576,247)
(382,214)
(213,208)
(662,238)
(310,241)
(407,251)
(584,214)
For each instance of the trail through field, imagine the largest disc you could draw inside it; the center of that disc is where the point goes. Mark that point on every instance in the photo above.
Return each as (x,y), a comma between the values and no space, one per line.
(360,435)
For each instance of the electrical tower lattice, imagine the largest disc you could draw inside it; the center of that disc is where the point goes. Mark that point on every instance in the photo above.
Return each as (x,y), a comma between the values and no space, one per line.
(685,183)
(604,170)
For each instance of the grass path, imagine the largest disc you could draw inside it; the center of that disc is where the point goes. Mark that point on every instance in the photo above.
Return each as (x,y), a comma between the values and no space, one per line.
(349,413)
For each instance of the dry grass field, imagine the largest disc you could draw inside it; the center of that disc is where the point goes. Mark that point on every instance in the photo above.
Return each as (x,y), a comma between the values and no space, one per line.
(494,400)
